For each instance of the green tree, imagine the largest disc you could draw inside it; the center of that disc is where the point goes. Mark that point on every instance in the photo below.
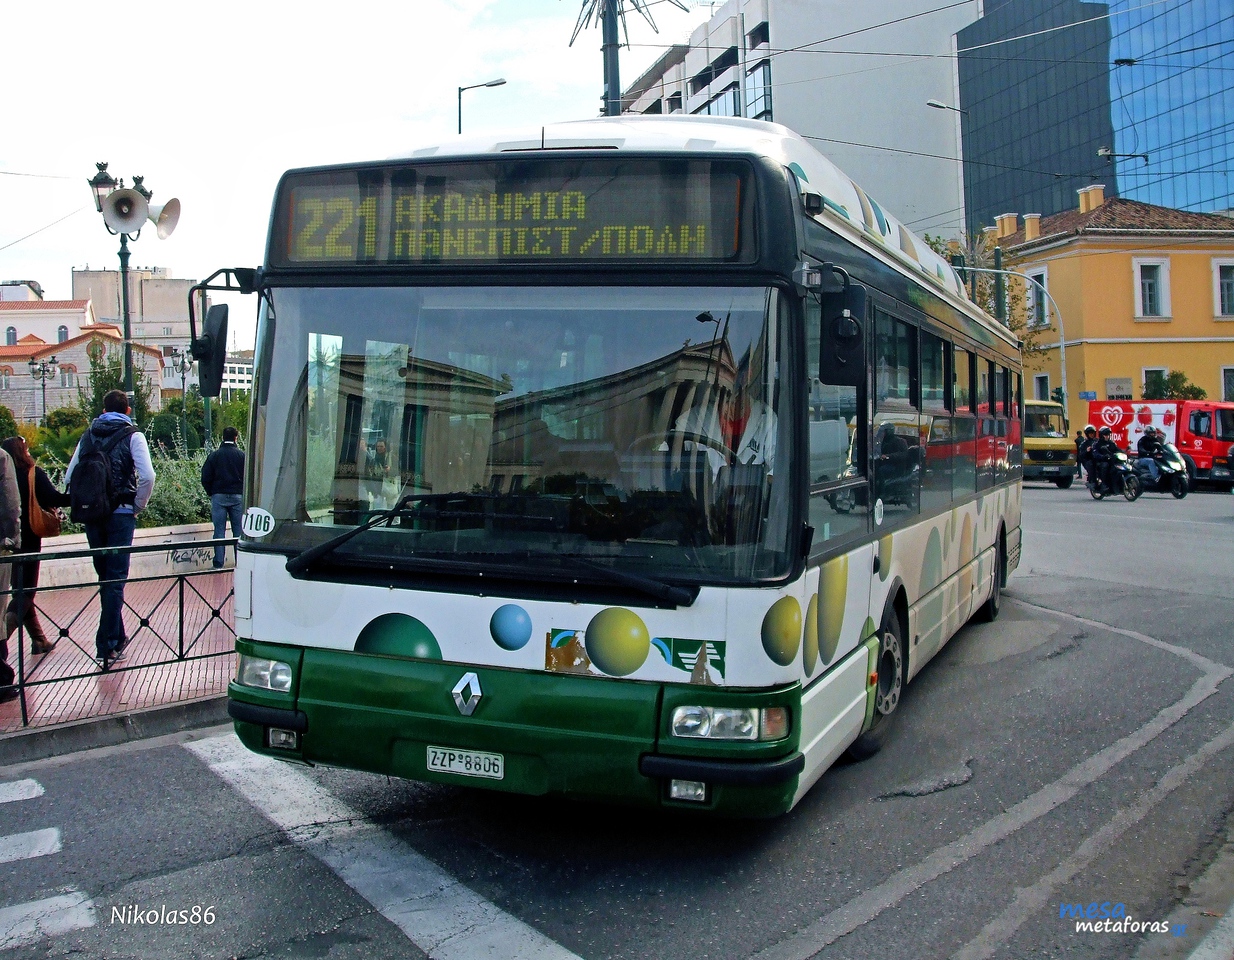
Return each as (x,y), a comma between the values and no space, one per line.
(107,374)
(66,418)
(164,432)
(979,254)
(1173,386)
(194,413)
(231,413)
(8,425)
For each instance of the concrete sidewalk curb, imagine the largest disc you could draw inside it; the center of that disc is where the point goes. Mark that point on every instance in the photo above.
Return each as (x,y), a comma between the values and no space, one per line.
(40,743)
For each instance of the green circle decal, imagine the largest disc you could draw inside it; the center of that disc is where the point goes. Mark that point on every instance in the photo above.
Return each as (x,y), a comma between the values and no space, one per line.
(833,591)
(617,641)
(398,635)
(782,630)
(809,637)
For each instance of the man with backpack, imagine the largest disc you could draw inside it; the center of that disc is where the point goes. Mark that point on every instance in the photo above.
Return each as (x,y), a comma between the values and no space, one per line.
(110,480)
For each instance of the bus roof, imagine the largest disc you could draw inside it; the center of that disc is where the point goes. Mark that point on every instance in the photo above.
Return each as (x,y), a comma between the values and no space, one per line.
(844,202)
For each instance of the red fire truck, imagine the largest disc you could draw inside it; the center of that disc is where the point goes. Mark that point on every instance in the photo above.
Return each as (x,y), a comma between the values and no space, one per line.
(1201,429)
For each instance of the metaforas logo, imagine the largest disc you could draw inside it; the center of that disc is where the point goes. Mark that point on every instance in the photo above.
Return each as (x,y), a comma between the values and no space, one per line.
(1112,416)
(1111,917)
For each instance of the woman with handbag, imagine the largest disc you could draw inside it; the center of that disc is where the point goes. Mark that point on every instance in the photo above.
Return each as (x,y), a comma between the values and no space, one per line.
(39,499)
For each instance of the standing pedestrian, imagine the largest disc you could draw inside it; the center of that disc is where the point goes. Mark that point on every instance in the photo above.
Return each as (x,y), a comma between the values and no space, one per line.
(26,572)
(10,534)
(222,477)
(110,479)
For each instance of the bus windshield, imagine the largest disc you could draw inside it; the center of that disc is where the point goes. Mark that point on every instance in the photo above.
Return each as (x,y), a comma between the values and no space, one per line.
(637,428)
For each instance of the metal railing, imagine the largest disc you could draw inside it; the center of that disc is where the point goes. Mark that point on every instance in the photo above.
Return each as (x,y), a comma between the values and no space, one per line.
(180,628)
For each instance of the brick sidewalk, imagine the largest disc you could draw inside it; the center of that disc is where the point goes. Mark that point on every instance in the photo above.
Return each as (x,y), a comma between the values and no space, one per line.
(154,673)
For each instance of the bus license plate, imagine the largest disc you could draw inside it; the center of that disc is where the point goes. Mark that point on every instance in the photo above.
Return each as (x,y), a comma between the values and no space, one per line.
(1050,469)
(467,763)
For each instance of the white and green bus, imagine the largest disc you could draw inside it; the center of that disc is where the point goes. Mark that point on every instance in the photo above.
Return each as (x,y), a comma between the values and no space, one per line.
(639,459)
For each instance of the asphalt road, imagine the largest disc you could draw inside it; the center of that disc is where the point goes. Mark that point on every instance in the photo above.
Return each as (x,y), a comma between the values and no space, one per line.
(1077,751)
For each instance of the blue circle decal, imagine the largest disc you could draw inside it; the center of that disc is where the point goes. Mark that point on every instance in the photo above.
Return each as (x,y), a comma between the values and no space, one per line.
(510,626)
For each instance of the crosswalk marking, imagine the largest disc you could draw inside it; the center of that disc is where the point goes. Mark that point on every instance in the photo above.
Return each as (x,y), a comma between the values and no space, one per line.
(438,914)
(20,790)
(26,846)
(27,923)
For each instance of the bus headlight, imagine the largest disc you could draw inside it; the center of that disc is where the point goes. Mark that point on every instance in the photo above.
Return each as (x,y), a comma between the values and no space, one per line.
(730,723)
(267,674)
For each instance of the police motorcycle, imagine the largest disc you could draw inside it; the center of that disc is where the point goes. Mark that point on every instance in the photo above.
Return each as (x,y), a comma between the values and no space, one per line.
(1171,473)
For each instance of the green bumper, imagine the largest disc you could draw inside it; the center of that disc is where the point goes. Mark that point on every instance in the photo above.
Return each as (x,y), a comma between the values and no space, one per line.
(588,737)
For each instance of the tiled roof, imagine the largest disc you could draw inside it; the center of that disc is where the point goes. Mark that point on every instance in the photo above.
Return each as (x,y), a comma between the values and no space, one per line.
(18,305)
(1118,215)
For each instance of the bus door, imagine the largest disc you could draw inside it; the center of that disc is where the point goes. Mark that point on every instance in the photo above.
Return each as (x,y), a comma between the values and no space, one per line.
(841,509)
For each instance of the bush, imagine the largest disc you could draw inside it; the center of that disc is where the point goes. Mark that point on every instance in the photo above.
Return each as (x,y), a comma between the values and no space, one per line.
(8,425)
(66,418)
(165,434)
(178,496)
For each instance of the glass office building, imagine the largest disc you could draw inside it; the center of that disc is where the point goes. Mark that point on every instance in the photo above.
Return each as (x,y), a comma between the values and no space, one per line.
(1059,94)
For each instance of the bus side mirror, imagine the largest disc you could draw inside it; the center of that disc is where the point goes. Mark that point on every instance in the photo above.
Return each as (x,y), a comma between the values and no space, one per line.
(210,350)
(841,342)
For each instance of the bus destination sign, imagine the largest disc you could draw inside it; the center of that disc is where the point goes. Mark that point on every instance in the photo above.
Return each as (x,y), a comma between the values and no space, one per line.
(579,210)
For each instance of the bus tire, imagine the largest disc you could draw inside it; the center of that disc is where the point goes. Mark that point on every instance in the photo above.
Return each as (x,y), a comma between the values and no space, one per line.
(1063,483)
(890,690)
(988,612)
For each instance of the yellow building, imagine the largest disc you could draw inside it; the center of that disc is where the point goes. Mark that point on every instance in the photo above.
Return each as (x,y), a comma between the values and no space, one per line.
(1142,290)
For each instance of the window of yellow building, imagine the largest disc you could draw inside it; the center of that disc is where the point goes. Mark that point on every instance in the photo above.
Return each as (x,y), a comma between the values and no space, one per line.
(1152,287)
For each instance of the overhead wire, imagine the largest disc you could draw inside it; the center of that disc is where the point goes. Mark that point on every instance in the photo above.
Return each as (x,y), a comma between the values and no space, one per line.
(13,243)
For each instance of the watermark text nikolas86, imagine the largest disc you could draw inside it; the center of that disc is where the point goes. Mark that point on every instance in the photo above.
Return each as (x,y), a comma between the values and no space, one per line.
(135,915)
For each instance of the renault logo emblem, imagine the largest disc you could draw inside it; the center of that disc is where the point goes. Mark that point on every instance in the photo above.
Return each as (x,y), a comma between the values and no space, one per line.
(467,694)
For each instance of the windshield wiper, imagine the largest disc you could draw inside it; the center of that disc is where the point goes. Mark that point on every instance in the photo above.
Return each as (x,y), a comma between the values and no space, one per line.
(305,558)
(678,596)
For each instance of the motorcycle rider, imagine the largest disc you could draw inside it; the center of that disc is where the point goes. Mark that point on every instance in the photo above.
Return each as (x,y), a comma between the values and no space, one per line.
(1084,451)
(1149,448)
(1104,452)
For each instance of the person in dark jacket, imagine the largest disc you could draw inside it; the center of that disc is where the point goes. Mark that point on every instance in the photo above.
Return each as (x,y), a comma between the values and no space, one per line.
(1104,452)
(1148,449)
(26,572)
(222,477)
(1084,452)
(132,476)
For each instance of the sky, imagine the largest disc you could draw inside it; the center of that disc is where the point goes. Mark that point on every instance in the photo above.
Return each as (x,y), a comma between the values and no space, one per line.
(211,106)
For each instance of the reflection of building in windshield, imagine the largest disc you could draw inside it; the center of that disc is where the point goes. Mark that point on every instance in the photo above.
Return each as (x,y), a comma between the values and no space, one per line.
(663,425)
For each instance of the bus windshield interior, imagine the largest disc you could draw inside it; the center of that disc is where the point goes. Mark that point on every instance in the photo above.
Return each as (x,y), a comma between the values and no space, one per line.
(632,427)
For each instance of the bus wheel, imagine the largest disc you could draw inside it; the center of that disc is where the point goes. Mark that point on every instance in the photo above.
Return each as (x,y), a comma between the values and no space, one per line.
(989,611)
(890,689)
(1063,482)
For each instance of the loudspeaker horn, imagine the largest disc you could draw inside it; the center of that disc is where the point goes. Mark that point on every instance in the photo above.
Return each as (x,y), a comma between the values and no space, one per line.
(165,217)
(125,210)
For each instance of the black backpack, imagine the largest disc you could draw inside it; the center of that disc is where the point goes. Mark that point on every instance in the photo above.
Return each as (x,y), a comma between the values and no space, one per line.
(91,489)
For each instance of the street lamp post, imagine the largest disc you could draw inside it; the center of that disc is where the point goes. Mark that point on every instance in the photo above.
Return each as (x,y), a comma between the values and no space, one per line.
(475,86)
(125,212)
(939,105)
(42,371)
(1058,315)
(182,363)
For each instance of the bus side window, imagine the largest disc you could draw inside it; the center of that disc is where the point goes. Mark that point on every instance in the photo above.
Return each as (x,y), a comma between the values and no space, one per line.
(963,429)
(898,453)
(935,425)
(835,421)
